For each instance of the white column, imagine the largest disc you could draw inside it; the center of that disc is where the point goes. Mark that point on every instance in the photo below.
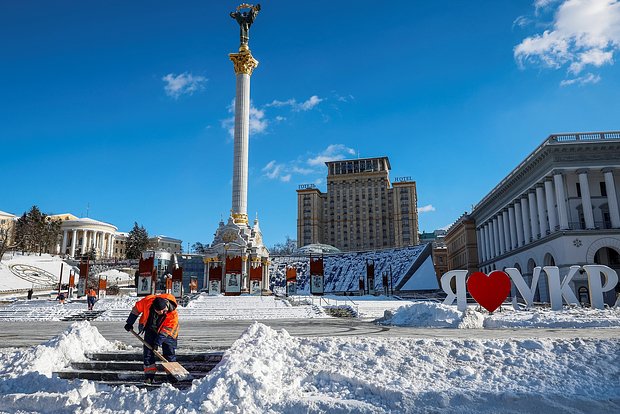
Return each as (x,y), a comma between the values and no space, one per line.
(240,161)
(513,227)
(487,238)
(111,245)
(501,235)
(65,236)
(560,199)
(496,245)
(73,243)
(525,213)
(100,244)
(519,223)
(612,198)
(534,224)
(506,227)
(586,202)
(551,210)
(84,241)
(480,244)
(542,216)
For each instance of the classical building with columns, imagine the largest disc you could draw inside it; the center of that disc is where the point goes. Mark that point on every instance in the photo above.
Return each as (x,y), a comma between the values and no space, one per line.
(80,235)
(7,227)
(558,207)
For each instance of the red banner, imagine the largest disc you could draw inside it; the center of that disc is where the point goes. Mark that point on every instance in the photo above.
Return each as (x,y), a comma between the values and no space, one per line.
(256,273)
(291,274)
(215,272)
(316,265)
(177,274)
(71,280)
(370,270)
(233,264)
(168,284)
(84,270)
(146,266)
(103,283)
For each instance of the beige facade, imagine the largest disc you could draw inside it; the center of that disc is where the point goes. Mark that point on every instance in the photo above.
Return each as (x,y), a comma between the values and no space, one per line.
(461,245)
(360,210)
(165,244)
(120,245)
(7,226)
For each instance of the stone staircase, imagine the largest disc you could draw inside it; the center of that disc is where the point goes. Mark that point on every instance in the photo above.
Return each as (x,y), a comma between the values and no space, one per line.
(87,315)
(126,368)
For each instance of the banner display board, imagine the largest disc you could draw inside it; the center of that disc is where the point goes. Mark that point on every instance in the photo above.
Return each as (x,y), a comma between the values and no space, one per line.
(233,283)
(193,285)
(71,280)
(214,287)
(215,275)
(84,268)
(103,285)
(177,282)
(255,287)
(168,285)
(316,276)
(291,281)
(147,273)
(370,277)
(145,282)
(316,284)
(81,286)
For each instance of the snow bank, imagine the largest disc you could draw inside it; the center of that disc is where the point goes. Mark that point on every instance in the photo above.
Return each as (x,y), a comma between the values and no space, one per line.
(432,315)
(268,371)
(437,315)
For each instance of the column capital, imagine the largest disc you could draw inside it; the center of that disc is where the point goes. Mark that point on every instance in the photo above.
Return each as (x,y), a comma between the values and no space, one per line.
(582,171)
(557,171)
(607,170)
(244,62)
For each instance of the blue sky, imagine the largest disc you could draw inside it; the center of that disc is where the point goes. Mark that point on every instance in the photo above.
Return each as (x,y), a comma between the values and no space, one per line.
(123,108)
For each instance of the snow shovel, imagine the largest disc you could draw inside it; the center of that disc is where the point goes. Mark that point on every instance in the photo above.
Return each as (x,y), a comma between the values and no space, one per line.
(173,368)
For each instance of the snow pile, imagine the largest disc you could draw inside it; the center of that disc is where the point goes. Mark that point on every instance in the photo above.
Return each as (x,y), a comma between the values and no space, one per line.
(57,353)
(433,315)
(437,315)
(268,371)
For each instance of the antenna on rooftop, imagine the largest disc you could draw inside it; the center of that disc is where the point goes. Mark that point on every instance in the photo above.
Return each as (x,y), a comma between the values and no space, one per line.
(87,208)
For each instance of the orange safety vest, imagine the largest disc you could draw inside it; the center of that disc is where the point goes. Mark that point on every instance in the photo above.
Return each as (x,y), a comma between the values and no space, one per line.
(91,292)
(170,325)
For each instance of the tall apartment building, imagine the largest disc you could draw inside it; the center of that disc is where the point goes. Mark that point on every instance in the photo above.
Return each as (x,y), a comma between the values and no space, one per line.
(361,209)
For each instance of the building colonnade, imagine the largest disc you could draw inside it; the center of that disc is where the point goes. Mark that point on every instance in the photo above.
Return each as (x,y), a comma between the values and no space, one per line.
(541,210)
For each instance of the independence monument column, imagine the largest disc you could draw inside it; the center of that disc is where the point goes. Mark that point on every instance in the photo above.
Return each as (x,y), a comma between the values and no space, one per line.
(244,64)
(237,261)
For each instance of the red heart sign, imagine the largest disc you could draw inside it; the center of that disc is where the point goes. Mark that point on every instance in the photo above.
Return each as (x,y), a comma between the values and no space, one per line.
(489,291)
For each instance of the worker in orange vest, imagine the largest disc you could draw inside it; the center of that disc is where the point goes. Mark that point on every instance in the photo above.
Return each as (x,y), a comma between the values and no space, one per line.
(159,320)
(91,298)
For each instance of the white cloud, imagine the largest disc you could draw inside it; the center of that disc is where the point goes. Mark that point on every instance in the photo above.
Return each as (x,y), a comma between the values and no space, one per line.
(296,106)
(584,33)
(426,208)
(581,80)
(258,122)
(183,84)
(333,152)
(274,171)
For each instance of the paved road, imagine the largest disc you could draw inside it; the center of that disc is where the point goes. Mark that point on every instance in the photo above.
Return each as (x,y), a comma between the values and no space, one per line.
(202,335)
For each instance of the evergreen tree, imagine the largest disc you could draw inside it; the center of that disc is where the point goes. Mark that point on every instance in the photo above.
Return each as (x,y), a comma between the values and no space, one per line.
(137,242)
(37,232)
(200,248)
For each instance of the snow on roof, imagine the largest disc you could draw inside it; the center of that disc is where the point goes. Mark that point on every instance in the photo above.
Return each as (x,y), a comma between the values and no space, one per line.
(317,248)
(343,270)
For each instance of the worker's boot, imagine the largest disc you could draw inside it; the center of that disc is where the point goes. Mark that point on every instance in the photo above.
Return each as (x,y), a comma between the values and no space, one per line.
(149,379)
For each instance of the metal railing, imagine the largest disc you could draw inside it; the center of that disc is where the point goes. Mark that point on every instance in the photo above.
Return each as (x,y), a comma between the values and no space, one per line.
(584,136)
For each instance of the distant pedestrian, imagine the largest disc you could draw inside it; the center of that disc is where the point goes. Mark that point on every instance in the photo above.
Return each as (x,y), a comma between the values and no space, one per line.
(91,298)
(61,298)
(30,292)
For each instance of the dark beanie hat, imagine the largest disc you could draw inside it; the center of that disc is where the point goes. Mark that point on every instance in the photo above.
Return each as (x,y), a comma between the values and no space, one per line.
(160,303)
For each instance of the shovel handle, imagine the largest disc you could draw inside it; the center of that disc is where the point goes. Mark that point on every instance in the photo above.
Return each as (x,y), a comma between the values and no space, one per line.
(160,356)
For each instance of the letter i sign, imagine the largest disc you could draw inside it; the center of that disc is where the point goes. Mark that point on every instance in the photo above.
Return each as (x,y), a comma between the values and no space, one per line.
(489,291)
